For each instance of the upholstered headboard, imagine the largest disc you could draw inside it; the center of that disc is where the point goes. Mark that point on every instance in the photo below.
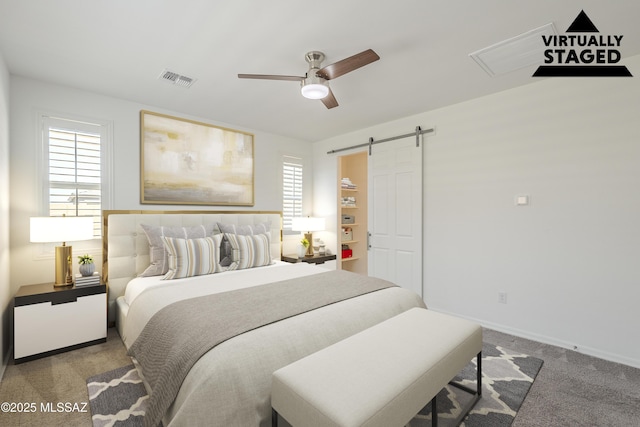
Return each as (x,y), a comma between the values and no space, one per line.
(125,251)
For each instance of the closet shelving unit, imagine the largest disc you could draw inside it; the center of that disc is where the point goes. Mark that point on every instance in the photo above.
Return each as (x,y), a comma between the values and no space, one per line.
(354,167)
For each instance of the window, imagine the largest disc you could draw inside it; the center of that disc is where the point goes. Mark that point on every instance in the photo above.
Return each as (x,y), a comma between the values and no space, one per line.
(75,173)
(291,192)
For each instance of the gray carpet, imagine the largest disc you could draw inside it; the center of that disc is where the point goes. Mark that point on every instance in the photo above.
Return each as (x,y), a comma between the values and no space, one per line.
(118,397)
(574,389)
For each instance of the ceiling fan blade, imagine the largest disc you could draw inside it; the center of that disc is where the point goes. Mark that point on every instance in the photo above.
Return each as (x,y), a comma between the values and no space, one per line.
(330,101)
(348,64)
(270,77)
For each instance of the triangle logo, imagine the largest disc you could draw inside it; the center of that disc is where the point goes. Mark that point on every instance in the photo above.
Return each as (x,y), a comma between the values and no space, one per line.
(582,24)
(582,52)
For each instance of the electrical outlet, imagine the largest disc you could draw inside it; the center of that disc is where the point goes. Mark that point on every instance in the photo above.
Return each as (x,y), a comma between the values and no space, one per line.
(502,297)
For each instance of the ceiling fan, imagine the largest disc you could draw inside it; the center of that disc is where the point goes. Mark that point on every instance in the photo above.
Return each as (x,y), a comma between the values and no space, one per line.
(315,83)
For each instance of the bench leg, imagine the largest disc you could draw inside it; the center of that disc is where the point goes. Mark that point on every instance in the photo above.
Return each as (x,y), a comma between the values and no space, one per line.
(274,418)
(477,393)
(434,412)
(479,374)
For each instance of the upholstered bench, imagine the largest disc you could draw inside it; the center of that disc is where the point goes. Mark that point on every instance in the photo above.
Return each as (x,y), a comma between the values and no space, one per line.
(381,376)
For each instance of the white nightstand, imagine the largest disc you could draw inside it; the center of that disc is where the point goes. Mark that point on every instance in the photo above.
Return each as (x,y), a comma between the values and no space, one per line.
(50,320)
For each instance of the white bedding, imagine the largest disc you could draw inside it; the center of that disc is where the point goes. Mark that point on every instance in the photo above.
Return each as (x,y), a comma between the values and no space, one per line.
(223,280)
(231,384)
(154,293)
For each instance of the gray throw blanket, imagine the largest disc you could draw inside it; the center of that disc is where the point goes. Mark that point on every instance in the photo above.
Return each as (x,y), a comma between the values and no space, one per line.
(179,334)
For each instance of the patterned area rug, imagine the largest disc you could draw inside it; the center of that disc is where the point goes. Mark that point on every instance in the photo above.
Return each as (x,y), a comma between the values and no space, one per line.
(118,397)
(507,377)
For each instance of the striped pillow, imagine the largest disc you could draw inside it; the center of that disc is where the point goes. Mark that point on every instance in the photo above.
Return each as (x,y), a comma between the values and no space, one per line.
(192,257)
(245,230)
(157,253)
(249,251)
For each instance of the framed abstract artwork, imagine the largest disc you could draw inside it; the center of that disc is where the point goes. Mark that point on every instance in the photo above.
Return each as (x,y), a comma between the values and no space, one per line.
(191,163)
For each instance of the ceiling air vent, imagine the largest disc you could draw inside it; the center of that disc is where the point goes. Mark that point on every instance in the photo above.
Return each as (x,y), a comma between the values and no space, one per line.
(176,79)
(515,53)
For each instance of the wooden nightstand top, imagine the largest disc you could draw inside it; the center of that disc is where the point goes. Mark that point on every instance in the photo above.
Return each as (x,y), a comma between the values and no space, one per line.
(46,292)
(316,259)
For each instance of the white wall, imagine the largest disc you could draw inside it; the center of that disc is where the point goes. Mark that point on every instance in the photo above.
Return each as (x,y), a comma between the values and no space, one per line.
(5,288)
(28,97)
(568,261)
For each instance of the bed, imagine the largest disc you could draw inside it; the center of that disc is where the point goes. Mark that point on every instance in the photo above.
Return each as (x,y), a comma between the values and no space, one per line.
(229,384)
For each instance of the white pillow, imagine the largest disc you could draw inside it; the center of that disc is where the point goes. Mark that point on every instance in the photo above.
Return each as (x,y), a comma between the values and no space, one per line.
(246,230)
(192,257)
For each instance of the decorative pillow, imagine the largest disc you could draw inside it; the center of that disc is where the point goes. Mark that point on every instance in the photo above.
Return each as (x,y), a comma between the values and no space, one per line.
(249,251)
(157,252)
(244,230)
(192,257)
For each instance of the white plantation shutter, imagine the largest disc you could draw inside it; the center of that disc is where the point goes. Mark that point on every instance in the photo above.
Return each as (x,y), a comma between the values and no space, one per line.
(74,169)
(291,191)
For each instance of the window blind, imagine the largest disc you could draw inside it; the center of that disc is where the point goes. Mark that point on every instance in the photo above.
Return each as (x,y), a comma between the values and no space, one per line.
(291,191)
(74,170)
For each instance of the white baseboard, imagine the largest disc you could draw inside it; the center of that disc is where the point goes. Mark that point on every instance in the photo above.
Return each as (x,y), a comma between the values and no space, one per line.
(590,351)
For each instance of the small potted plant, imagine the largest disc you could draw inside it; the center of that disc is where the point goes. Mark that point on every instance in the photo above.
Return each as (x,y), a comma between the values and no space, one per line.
(87,267)
(304,244)
(307,245)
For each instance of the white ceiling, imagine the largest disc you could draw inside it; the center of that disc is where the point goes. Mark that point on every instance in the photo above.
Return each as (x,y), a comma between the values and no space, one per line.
(120,47)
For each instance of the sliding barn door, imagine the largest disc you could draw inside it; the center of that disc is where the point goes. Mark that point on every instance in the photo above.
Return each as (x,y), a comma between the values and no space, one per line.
(395,213)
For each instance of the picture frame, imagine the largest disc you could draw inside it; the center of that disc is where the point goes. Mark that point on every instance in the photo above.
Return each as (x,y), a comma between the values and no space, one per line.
(187,162)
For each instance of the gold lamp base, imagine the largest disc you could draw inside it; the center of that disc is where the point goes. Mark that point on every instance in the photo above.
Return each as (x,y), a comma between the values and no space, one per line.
(64,269)
(309,237)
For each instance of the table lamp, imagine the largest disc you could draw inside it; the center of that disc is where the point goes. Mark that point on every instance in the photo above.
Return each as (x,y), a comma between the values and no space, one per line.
(63,229)
(308,225)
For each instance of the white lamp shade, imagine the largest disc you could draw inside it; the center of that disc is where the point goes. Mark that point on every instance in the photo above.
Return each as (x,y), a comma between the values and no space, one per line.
(61,228)
(314,91)
(308,224)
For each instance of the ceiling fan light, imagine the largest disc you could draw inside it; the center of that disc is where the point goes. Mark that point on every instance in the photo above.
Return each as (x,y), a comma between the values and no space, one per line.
(314,91)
